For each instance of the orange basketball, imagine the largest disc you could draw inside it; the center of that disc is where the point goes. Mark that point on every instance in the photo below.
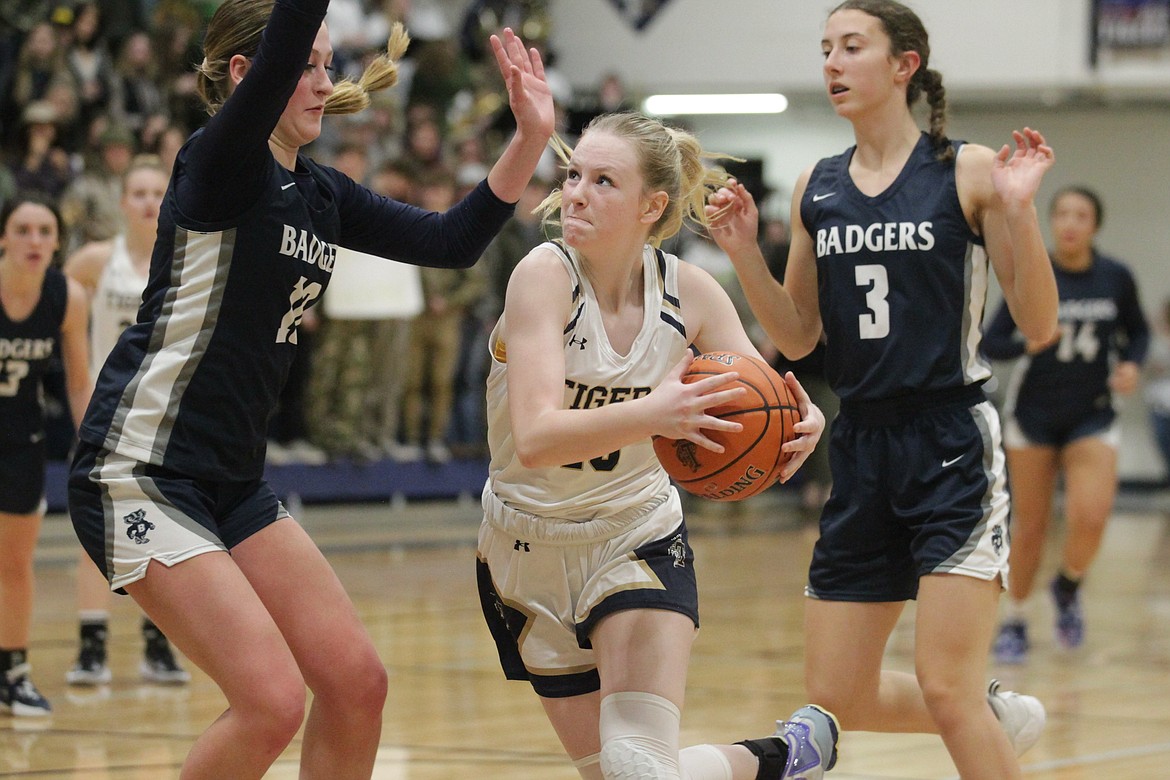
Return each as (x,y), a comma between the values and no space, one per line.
(751,459)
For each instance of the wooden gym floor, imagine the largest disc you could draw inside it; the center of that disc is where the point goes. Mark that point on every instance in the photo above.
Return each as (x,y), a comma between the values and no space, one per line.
(451,714)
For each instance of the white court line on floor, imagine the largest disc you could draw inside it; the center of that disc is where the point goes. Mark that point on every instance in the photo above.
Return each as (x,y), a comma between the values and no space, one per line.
(1092,758)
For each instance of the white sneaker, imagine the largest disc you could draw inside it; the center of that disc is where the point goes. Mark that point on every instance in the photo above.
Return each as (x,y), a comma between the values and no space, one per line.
(1022,717)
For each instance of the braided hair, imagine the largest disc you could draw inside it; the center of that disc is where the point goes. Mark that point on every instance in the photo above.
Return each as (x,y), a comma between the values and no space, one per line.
(907,33)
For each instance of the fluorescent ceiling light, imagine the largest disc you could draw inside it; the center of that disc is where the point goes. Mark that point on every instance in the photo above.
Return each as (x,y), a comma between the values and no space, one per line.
(672,105)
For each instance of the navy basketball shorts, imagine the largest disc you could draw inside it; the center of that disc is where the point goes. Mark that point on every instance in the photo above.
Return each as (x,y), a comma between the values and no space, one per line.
(544,583)
(127,513)
(22,477)
(925,495)
(1032,426)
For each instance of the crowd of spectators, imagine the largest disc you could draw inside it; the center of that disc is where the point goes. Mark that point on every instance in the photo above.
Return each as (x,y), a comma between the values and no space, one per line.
(84,86)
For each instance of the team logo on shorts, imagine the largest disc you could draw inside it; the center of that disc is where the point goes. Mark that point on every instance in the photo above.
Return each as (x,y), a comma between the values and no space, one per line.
(678,551)
(997,538)
(139,525)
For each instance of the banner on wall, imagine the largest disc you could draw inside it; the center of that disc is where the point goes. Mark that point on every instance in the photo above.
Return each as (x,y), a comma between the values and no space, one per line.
(638,13)
(1130,31)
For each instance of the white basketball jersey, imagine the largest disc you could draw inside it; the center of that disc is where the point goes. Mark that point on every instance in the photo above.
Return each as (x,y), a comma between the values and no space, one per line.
(595,375)
(115,302)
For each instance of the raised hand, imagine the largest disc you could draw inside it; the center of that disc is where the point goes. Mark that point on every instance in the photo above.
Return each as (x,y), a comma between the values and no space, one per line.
(529,95)
(734,218)
(1016,174)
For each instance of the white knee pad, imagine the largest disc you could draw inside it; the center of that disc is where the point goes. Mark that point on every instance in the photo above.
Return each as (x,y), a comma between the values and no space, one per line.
(639,737)
(589,767)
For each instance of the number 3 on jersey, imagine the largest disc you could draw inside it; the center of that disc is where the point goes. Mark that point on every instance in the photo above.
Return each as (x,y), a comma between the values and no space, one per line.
(299,299)
(875,324)
(15,370)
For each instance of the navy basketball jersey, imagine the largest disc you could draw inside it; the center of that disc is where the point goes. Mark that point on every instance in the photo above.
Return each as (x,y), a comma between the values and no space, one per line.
(191,385)
(902,279)
(26,348)
(245,246)
(1101,320)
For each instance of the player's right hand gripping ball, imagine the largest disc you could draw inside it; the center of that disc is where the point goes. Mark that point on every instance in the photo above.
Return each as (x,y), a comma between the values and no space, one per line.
(752,459)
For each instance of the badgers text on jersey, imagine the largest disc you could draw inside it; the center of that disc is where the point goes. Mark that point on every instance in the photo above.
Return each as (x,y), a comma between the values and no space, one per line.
(878,237)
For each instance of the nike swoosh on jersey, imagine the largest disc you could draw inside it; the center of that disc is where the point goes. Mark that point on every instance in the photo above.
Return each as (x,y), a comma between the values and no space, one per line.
(816,198)
(290,184)
(951,462)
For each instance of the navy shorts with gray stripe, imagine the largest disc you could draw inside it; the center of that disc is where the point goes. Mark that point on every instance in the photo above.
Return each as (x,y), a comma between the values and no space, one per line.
(916,490)
(128,513)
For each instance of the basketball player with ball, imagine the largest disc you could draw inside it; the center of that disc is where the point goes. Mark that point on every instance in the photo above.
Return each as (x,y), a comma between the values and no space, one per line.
(892,244)
(586,577)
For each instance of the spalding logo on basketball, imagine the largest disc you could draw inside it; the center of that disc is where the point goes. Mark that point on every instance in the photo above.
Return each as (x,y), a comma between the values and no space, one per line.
(752,459)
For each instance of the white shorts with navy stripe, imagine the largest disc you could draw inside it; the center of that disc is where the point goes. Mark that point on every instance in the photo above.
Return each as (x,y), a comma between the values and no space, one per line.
(545,583)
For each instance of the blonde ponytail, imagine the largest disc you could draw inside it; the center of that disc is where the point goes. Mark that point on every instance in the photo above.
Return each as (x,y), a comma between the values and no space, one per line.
(697,181)
(350,97)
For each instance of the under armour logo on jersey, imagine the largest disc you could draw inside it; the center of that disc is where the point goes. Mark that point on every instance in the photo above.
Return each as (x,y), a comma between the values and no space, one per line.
(299,299)
(678,551)
(582,341)
(520,544)
(138,526)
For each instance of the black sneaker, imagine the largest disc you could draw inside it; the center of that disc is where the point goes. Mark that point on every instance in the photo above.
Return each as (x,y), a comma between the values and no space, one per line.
(20,697)
(1011,645)
(1070,620)
(90,668)
(158,662)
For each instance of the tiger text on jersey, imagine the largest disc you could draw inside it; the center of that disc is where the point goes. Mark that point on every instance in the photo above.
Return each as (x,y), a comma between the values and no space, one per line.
(587,397)
(303,244)
(26,349)
(878,237)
